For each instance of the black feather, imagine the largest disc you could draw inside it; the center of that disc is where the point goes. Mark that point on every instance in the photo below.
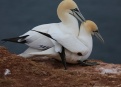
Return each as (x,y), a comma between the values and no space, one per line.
(45,34)
(16,39)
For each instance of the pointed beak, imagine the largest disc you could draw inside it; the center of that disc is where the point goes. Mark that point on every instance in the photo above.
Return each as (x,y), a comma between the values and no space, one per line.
(97,34)
(77,14)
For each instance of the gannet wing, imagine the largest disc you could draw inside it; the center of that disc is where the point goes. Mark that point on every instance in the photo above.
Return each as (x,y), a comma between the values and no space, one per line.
(58,48)
(34,39)
(69,41)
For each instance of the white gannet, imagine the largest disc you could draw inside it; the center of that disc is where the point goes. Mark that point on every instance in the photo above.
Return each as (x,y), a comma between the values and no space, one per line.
(83,43)
(68,12)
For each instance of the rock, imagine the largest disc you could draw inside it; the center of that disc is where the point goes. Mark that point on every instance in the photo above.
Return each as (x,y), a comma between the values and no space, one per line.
(51,73)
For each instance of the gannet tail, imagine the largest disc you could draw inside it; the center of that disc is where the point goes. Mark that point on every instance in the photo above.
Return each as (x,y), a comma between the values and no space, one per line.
(26,54)
(20,39)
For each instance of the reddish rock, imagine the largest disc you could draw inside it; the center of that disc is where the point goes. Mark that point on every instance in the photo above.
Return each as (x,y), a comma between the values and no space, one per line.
(50,73)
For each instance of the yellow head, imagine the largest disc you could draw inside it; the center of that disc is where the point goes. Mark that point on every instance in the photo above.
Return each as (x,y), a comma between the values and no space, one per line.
(69,7)
(92,28)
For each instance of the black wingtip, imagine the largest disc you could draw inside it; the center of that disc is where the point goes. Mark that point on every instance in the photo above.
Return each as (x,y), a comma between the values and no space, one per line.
(16,39)
(4,40)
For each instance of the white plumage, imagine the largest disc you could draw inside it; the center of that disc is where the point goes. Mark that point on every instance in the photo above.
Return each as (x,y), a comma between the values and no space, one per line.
(60,31)
(83,44)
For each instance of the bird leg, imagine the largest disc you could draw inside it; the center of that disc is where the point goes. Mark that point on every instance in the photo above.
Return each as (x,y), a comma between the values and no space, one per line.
(86,63)
(62,55)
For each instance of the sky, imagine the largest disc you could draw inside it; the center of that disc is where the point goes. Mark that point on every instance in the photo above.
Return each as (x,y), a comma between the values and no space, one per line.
(19,16)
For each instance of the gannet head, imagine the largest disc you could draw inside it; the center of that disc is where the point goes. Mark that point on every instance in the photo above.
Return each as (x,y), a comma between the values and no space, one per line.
(70,7)
(92,28)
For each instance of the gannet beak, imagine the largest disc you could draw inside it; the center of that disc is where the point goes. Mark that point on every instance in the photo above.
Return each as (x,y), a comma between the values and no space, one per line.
(97,34)
(77,14)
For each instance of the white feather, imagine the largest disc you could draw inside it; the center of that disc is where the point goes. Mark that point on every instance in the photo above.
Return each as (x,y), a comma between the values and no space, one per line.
(82,43)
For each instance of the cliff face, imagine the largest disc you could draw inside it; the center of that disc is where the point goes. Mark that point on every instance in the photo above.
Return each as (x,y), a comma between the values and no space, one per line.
(16,71)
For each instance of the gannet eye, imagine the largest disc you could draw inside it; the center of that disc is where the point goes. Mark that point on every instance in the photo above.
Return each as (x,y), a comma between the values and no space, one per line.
(96,31)
(97,34)
(75,10)
(76,13)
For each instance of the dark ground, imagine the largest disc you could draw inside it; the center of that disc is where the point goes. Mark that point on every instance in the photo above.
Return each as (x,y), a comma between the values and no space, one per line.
(50,73)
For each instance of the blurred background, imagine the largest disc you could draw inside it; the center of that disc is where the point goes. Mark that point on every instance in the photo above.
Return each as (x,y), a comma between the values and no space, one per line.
(19,16)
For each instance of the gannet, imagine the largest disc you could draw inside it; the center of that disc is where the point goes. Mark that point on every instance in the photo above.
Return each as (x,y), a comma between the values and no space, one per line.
(83,43)
(68,12)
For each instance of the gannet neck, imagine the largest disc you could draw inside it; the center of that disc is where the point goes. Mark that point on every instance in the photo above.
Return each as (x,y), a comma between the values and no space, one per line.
(85,36)
(64,9)
(66,18)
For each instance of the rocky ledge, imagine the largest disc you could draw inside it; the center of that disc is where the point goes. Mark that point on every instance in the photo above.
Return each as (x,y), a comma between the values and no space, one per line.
(16,71)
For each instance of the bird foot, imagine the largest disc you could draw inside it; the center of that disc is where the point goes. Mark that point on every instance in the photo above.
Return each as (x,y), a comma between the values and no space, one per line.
(86,63)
